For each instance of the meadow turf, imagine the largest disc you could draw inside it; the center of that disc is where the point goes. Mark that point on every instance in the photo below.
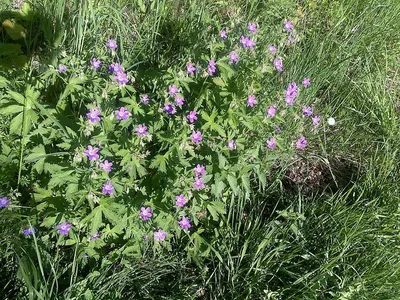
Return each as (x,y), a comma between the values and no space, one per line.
(320,224)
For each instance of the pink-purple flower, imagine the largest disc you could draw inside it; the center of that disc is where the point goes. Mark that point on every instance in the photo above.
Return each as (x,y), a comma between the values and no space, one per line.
(223,34)
(315,120)
(106,165)
(96,63)
(112,44)
(307,111)
(115,68)
(122,113)
(306,82)
(191,69)
(64,228)
(301,143)
(160,235)
(271,143)
(121,78)
(271,111)
(173,90)
(288,26)
(95,236)
(108,188)
(169,108)
(180,200)
(233,57)
(93,115)
(141,130)
(199,183)
(179,100)
(251,100)
(145,213)
(247,42)
(252,27)
(30,231)
(144,99)
(184,223)
(232,145)
(91,153)
(192,116)
(4,202)
(61,68)
(211,69)
(291,93)
(272,49)
(199,170)
(196,136)
(278,64)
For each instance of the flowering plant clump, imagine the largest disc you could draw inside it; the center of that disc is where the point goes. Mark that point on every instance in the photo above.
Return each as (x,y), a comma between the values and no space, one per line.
(146,159)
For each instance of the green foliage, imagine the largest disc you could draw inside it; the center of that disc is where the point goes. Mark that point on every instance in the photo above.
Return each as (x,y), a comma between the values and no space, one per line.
(260,228)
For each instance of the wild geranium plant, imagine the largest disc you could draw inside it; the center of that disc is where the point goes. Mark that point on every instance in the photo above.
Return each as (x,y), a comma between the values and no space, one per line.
(154,158)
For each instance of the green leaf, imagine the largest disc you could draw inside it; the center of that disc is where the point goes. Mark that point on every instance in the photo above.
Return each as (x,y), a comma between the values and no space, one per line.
(216,208)
(233,184)
(14,30)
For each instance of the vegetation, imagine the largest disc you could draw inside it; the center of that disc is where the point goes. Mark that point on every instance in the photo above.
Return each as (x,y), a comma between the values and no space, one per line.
(167,149)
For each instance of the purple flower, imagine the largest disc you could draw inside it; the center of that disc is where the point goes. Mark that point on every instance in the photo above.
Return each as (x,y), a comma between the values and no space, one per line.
(121,78)
(192,116)
(85,255)
(307,111)
(291,93)
(196,136)
(112,44)
(122,113)
(91,153)
(64,228)
(223,34)
(144,99)
(277,129)
(306,82)
(211,68)
(61,68)
(4,202)
(180,200)
(247,42)
(173,90)
(199,170)
(278,64)
(115,68)
(96,63)
(145,213)
(106,166)
(93,115)
(315,120)
(288,26)
(30,231)
(199,183)
(159,235)
(272,49)
(95,236)
(233,57)
(169,108)
(231,145)
(301,143)
(271,111)
(252,27)
(179,100)
(108,188)
(184,223)
(141,130)
(251,100)
(190,68)
(271,143)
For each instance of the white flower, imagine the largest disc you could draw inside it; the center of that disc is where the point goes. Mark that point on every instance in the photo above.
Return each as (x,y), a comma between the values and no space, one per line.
(331,121)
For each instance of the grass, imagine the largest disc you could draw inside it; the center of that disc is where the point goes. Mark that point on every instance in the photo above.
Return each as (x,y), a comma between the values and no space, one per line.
(282,243)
